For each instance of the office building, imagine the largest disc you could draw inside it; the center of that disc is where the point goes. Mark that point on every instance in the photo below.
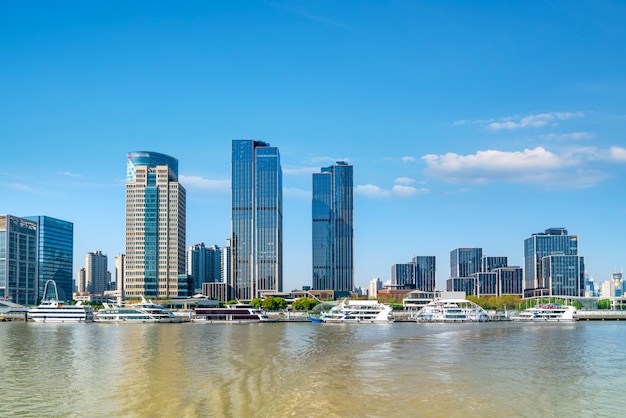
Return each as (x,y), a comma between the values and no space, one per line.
(18,260)
(81,280)
(257,219)
(374,286)
(204,265)
(97,276)
(226,264)
(425,272)
(510,280)
(538,249)
(55,258)
(155,227)
(333,229)
(465,261)
(403,276)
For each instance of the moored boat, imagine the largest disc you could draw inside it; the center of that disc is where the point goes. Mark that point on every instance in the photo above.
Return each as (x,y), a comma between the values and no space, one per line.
(452,310)
(358,311)
(51,309)
(548,312)
(229,315)
(156,310)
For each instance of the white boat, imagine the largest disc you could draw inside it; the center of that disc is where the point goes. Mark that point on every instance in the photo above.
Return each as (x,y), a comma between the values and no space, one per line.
(358,311)
(160,312)
(229,315)
(548,312)
(53,310)
(125,315)
(452,310)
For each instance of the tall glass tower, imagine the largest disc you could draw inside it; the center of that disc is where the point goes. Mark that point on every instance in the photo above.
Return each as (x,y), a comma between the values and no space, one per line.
(333,229)
(55,247)
(425,272)
(552,264)
(257,219)
(18,260)
(155,227)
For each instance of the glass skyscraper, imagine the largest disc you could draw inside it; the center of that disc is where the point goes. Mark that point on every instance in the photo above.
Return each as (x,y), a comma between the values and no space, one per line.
(425,272)
(541,279)
(155,227)
(333,229)
(18,260)
(204,265)
(257,219)
(55,247)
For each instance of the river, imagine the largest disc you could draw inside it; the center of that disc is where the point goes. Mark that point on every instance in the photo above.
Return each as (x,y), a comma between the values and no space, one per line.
(497,369)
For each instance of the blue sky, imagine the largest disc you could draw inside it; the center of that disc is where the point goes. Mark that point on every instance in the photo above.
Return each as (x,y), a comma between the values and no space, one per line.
(469,124)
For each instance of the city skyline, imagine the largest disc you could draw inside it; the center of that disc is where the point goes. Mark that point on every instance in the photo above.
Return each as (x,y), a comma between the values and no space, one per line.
(473,125)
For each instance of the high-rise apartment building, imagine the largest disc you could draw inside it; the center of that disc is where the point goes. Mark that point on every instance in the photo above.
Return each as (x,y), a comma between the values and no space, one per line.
(96,272)
(333,229)
(548,275)
(465,261)
(55,247)
(257,219)
(18,260)
(403,275)
(155,227)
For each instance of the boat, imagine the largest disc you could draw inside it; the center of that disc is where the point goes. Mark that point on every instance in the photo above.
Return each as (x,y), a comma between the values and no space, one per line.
(230,315)
(53,310)
(451,310)
(358,311)
(126,315)
(156,310)
(548,312)
(316,319)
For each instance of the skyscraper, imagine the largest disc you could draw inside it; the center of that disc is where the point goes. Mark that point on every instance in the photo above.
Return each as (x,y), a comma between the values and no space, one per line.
(425,272)
(96,272)
(55,247)
(204,265)
(257,219)
(18,260)
(333,229)
(548,275)
(155,227)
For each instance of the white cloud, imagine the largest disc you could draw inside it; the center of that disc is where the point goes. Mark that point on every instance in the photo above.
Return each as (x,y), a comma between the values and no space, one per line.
(408,159)
(533,121)
(69,174)
(407,191)
(404,180)
(300,171)
(570,168)
(205,184)
(371,190)
(491,165)
(617,154)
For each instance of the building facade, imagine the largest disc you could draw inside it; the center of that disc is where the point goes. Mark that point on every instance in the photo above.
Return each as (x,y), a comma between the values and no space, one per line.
(403,276)
(333,229)
(97,276)
(119,275)
(55,258)
(18,260)
(155,227)
(256,219)
(204,265)
(552,242)
(425,272)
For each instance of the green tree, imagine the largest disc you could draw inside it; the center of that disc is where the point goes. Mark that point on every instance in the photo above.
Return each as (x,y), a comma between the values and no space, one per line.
(304,304)
(604,304)
(274,304)
(257,303)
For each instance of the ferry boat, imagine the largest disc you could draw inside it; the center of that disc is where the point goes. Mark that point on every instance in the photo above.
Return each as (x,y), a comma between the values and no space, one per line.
(229,315)
(53,310)
(550,312)
(126,315)
(358,311)
(148,307)
(452,310)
